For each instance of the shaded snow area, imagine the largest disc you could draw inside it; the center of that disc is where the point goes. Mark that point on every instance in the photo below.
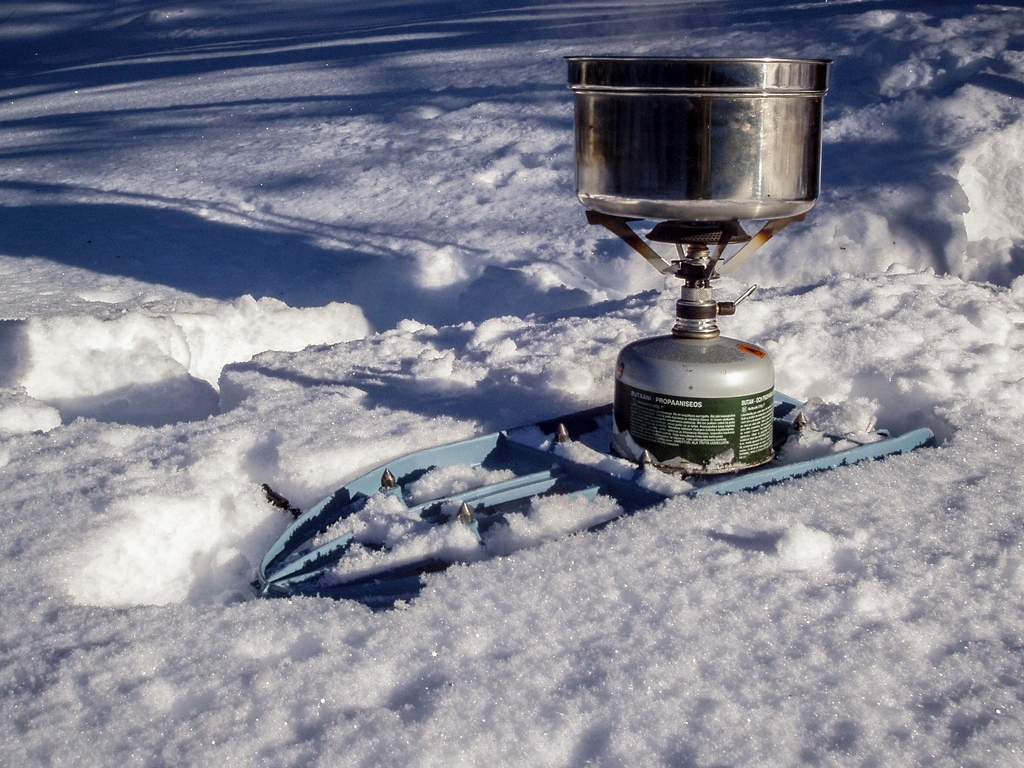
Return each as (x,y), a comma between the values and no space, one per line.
(284,242)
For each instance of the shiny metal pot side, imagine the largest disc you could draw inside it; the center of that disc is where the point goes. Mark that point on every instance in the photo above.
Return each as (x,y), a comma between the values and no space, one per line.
(698,140)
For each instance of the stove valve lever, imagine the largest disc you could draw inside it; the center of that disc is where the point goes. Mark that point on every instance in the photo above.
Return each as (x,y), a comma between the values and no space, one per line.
(729,307)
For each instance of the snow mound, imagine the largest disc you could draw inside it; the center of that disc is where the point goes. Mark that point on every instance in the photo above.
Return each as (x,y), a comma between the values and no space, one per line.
(992,177)
(804,549)
(169,550)
(150,369)
(20,413)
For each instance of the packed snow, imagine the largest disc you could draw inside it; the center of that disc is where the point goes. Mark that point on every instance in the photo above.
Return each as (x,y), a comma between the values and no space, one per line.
(284,242)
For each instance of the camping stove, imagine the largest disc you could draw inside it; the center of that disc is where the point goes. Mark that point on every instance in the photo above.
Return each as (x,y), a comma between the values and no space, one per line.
(699,144)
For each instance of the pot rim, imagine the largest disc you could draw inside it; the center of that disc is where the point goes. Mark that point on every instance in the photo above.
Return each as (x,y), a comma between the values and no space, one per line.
(765,75)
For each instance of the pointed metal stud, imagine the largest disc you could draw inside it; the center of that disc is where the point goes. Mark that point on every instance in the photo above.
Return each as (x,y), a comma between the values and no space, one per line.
(388,482)
(562,434)
(465,515)
(646,459)
(800,421)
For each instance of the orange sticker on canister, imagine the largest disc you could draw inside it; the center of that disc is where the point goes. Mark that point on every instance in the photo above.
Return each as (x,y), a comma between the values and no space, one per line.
(751,350)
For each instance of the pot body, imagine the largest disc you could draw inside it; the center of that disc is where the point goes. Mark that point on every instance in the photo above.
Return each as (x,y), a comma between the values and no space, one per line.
(698,139)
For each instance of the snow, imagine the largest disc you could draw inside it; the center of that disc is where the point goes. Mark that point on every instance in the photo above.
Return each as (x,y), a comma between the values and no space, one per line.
(284,242)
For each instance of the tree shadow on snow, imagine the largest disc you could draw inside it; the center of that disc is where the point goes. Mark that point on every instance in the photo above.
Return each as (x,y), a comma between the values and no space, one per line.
(221,260)
(133,42)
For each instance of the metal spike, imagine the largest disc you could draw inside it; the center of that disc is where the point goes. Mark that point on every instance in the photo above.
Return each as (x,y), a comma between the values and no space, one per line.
(562,434)
(388,481)
(465,515)
(646,458)
(800,421)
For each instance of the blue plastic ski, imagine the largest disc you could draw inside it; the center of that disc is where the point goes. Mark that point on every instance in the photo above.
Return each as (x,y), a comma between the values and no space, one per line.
(355,544)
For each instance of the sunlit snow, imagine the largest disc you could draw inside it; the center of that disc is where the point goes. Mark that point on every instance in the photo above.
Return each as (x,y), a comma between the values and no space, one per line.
(284,242)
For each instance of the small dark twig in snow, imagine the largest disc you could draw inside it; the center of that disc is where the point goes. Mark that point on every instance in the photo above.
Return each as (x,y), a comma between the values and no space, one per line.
(280,501)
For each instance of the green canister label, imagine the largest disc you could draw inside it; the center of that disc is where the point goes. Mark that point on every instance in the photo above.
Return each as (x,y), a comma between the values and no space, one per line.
(698,429)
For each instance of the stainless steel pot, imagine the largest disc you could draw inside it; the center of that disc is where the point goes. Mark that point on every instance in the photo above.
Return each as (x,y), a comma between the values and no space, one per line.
(698,139)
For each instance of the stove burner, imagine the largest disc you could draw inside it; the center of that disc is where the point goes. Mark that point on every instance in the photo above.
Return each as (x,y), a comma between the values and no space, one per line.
(696,233)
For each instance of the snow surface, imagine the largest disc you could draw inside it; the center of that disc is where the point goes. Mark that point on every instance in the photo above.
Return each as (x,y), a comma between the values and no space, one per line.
(284,241)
